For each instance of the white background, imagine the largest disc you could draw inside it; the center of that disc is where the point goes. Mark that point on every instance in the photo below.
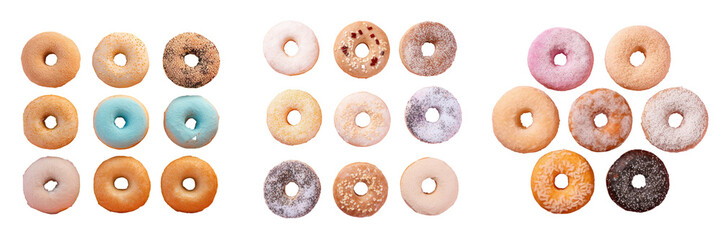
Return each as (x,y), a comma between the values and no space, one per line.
(495,199)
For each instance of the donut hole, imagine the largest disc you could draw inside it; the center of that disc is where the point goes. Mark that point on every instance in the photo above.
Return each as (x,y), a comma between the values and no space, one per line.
(50,122)
(120,122)
(291,189)
(50,185)
(360,188)
(638,181)
(191,60)
(674,120)
(560,59)
(428,49)
(290,48)
(526,119)
(561,181)
(362,119)
(637,58)
(600,120)
(51,59)
(120,183)
(361,50)
(293,117)
(432,115)
(120,59)
(190,123)
(189,184)
(428,185)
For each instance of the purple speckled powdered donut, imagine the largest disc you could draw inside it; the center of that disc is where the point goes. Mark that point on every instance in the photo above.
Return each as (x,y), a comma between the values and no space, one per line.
(579,59)
(302,202)
(449,115)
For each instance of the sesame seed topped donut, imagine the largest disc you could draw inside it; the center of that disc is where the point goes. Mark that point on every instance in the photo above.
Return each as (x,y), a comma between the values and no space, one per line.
(353,105)
(39,47)
(591,104)
(661,106)
(638,39)
(353,203)
(135,67)
(571,44)
(361,33)
(580,181)
(285,32)
(191,76)
(428,32)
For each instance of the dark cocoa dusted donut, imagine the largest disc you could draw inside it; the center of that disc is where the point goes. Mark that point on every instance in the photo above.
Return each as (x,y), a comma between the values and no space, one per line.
(308,189)
(630,164)
(181,73)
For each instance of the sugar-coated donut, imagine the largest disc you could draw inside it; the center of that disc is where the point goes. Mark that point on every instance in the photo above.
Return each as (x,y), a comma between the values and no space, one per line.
(661,106)
(357,103)
(42,45)
(361,33)
(352,203)
(184,200)
(302,202)
(121,200)
(131,111)
(449,115)
(181,73)
(136,63)
(579,59)
(638,39)
(34,122)
(580,181)
(620,177)
(507,124)
(180,110)
(428,32)
(587,107)
(48,169)
(282,33)
(441,198)
(310,117)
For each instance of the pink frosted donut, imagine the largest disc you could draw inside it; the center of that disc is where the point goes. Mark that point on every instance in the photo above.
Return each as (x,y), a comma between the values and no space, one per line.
(659,108)
(579,59)
(49,169)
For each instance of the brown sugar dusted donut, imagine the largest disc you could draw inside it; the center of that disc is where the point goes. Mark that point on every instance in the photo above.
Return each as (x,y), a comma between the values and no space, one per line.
(352,203)
(587,107)
(443,55)
(361,33)
(42,45)
(189,200)
(121,200)
(181,73)
(42,108)
(638,39)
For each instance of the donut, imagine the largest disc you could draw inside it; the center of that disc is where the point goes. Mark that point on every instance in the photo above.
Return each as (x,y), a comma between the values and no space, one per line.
(357,103)
(587,107)
(49,169)
(174,60)
(579,59)
(50,106)
(638,39)
(136,64)
(121,200)
(184,200)
(130,110)
(282,33)
(38,48)
(310,117)
(428,32)
(441,198)
(361,33)
(661,106)
(620,177)
(507,120)
(352,203)
(180,111)
(580,181)
(302,202)
(449,115)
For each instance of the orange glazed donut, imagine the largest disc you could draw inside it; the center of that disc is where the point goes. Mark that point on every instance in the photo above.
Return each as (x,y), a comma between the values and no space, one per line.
(184,200)
(39,47)
(121,200)
(638,39)
(361,33)
(587,107)
(50,106)
(352,203)
(507,119)
(580,181)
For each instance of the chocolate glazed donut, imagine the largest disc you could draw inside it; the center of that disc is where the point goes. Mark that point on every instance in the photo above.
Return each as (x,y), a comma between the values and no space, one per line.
(181,73)
(630,164)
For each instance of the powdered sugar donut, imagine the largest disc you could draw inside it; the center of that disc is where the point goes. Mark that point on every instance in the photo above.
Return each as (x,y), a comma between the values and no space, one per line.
(579,59)
(580,182)
(136,65)
(449,115)
(49,169)
(507,124)
(661,106)
(357,103)
(587,107)
(443,55)
(279,60)
(302,202)
(310,119)
(638,39)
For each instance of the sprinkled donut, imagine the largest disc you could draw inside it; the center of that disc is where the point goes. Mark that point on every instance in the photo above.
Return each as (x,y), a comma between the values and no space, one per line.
(121,200)
(638,39)
(357,103)
(34,122)
(587,107)
(131,111)
(310,117)
(184,108)
(49,169)
(352,203)
(184,200)
(361,33)
(579,59)
(136,64)
(279,60)
(441,198)
(42,45)
(580,181)
(661,106)
(174,60)
(449,115)
(620,177)
(302,202)
(507,124)
(428,32)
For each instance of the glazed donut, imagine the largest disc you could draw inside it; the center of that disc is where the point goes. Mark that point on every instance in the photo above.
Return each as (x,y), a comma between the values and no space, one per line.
(579,59)
(121,200)
(507,120)
(428,32)
(136,64)
(302,202)
(449,115)
(360,205)
(34,122)
(180,111)
(174,60)
(661,106)
(638,39)
(441,198)
(580,181)
(184,200)
(620,177)
(130,110)
(42,45)
(279,60)
(587,107)
(357,103)
(49,169)
(361,33)
(286,102)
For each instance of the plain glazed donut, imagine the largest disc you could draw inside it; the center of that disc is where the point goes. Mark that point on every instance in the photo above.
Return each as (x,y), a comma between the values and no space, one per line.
(184,108)
(49,169)
(121,200)
(184,200)
(620,177)
(587,107)
(34,122)
(349,201)
(310,117)
(661,106)
(361,33)
(507,124)
(579,59)
(136,64)
(638,39)
(449,115)
(580,181)
(302,202)
(279,60)
(428,32)
(441,198)
(130,110)
(357,103)
(174,60)
(42,45)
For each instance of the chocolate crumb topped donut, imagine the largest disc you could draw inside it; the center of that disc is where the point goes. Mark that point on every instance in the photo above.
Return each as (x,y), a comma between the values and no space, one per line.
(302,202)
(428,32)
(622,172)
(181,73)
(361,33)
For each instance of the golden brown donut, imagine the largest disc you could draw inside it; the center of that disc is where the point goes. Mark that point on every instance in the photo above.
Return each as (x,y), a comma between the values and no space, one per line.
(638,39)
(428,32)
(360,205)
(507,124)
(361,33)
(580,181)
(277,117)
(42,45)
(174,60)
(34,122)
(121,200)
(181,199)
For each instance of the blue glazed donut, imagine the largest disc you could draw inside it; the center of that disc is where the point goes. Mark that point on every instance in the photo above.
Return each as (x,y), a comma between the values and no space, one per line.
(180,111)
(130,110)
